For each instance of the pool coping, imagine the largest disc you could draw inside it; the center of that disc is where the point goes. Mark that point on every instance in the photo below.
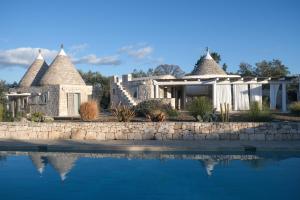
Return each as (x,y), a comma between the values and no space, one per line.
(146,145)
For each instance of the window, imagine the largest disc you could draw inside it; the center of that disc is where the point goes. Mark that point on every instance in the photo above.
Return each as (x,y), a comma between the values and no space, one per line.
(43,98)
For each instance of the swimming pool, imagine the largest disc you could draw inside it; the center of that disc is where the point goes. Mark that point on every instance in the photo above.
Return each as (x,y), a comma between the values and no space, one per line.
(156,175)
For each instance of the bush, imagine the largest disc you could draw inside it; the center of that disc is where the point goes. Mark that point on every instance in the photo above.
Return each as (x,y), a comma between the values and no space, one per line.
(36,117)
(200,108)
(144,108)
(123,113)
(157,116)
(257,114)
(172,113)
(295,108)
(2,112)
(89,111)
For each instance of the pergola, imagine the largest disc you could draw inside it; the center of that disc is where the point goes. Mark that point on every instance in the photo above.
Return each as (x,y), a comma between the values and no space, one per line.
(229,80)
(16,102)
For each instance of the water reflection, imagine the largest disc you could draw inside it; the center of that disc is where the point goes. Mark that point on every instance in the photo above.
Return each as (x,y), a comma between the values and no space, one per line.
(63,163)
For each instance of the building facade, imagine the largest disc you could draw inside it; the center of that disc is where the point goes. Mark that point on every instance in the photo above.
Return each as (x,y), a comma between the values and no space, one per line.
(209,80)
(56,90)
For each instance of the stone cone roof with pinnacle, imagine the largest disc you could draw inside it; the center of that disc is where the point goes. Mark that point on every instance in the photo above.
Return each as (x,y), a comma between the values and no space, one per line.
(62,164)
(38,161)
(35,72)
(62,72)
(208,66)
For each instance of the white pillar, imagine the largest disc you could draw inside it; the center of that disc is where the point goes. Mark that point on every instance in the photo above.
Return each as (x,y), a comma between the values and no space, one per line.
(214,94)
(183,98)
(156,91)
(283,97)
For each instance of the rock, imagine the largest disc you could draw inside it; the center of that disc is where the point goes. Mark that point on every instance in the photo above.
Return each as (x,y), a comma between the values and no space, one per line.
(78,134)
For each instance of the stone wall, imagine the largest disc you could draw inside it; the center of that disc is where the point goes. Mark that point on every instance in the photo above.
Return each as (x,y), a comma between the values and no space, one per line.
(50,107)
(149,131)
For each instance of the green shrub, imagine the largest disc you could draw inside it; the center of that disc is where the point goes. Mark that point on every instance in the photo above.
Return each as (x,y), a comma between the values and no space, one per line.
(200,108)
(145,108)
(257,114)
(36,117)
(295,108)
(1,112)
(123,113)
(172,113)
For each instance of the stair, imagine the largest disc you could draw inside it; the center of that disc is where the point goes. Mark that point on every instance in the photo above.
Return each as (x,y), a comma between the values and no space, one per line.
(129,100)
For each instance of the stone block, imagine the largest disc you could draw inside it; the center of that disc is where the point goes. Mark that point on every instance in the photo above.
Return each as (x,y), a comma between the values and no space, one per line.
(119,135)
(90,135)
(188,136)
(78,134)
(54,135)
(110,136)
(100,136)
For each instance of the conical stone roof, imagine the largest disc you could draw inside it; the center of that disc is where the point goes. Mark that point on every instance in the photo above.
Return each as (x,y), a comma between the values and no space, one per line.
(208,66)
(35,72)
(38,161)
(62,164)
(62,72)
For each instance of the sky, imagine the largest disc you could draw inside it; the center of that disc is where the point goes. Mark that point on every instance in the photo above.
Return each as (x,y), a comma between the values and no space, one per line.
(114,37)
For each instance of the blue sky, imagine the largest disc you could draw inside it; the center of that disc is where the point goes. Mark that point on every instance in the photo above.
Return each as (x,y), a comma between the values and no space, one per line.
(114,37)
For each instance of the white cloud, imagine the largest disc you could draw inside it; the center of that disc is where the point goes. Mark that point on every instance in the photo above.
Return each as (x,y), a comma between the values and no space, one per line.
(78,48)
(22,56)
(92,59)
(138,51)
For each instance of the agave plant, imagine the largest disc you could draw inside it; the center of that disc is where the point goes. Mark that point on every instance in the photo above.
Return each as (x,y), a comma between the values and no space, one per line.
(123,113)
(157,116)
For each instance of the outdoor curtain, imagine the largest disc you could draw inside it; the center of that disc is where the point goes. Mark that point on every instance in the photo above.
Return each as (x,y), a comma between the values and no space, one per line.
(241,97)
(273,95)
(256,93)
(223,95)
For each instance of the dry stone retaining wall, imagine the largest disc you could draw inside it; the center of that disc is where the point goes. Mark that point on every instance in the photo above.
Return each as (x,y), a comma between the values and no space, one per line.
(150,131)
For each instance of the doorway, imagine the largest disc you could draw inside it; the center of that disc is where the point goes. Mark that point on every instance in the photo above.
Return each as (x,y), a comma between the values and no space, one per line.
(73,104)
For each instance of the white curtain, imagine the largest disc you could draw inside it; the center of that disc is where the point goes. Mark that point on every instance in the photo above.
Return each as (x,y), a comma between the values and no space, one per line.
(273,95)
(223,95)
(241,97)
(256,93)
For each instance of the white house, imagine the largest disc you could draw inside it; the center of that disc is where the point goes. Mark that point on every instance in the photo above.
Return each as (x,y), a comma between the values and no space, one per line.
(208,79)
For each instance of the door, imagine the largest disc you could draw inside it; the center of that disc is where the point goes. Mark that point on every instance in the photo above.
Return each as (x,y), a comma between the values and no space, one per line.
(73,104)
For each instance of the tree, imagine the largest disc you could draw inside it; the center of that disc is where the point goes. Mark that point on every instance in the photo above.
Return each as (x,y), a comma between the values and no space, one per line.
(167,69)
(246,69)
(140,73)
(101,87)
(164,69)
(273,68)
(224,67)
(3,88)
(216,57)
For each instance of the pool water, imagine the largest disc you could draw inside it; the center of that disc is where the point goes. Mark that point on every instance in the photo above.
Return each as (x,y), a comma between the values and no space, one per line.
(121,175)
